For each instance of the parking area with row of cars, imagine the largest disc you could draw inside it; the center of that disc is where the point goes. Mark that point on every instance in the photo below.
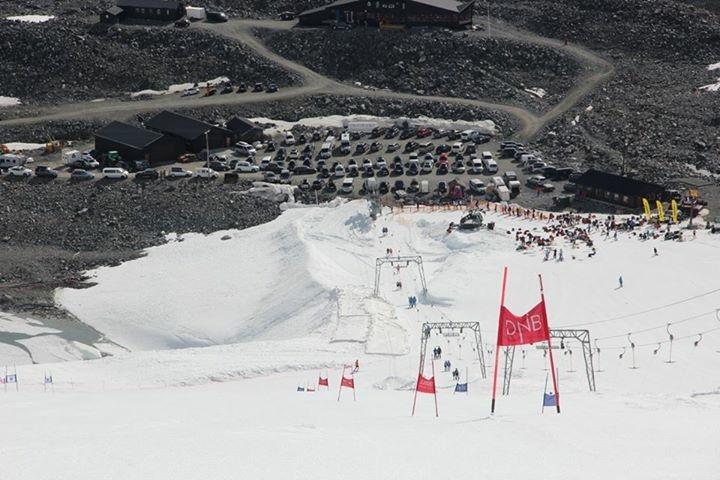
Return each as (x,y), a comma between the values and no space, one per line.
(406,162)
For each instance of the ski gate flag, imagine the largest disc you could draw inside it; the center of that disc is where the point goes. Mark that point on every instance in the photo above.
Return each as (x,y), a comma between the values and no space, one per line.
(426,385)
(522,330)
(516,330)
(347,382)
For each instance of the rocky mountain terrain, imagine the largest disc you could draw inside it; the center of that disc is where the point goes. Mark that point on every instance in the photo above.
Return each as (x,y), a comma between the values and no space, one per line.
(52,231)
(84,8)
(650,119)
(432,62)
(70,60)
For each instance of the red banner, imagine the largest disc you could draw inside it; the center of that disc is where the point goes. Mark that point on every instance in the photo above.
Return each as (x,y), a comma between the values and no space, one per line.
(529,328)
(347,382)
(425,385)
(323,382)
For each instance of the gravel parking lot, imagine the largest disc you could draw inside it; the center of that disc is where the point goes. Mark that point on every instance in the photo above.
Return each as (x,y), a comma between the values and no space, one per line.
(527,197)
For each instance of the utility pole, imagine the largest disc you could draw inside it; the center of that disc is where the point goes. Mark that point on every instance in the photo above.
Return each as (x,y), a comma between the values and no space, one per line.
(207,149)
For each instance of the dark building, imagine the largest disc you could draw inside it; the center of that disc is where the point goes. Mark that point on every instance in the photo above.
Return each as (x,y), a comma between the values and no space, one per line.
(190,131)
(244,129)
(144,10)
(618,190)
(112,15)
(133,143)
(445,13)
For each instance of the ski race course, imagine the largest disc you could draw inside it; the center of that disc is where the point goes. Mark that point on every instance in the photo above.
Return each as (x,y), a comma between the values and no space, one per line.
(216,334)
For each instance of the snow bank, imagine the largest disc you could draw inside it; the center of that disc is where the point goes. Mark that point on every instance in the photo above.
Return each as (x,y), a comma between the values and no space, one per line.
(345,121)
(9,101)
(712,87)
(538,92)
(180,87)
(714,66)
(31,18)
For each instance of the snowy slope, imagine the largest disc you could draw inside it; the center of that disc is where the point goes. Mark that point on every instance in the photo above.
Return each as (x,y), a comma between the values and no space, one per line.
(295,294)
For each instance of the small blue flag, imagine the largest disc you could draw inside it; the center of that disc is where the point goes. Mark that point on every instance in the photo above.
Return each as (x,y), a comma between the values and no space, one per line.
(301,389)
(11,378)
(461,387)
(549,400)
(48,379)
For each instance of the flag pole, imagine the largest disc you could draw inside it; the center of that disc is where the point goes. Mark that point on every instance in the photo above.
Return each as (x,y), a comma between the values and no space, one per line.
(497,347)
(467,382)
(544,392)
(550,352)
(353,389)
(341,379)
(432,362)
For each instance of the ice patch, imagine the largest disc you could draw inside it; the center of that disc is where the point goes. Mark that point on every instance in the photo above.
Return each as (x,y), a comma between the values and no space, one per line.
(714,66)
(538,92)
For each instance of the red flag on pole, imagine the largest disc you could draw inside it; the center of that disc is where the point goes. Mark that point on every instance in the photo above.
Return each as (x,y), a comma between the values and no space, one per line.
(347,382)
(522,330)
(426,385)
(323,382)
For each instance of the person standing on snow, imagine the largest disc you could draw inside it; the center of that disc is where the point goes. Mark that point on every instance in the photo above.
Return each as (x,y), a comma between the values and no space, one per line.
(620,281)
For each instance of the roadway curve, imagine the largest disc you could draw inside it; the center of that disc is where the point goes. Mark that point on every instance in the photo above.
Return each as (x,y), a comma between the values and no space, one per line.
(598,70)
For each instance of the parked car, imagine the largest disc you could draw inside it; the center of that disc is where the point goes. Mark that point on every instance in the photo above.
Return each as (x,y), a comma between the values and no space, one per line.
(509,175)
(245,149)
(271,177)
(147,174)
(347,186)
(271,88)
(187,158)
(242,88)
(287,16)
(258,87)
(80,174)
(360,148)
(477,186)
(115,173)
(246,167)
(190,92)
(570,187)
(392,147)
(458,168)
(19,171)
(42,171)
(216,17)
(182,23)
(179,172)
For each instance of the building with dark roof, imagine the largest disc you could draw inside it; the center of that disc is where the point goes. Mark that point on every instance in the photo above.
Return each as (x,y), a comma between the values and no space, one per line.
(144,10)
(616,189)
(134,143)
(244,129)
(190,131)
(445,13)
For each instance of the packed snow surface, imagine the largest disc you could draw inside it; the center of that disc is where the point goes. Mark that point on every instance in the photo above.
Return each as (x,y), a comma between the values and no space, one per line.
(179,87)
(273,307)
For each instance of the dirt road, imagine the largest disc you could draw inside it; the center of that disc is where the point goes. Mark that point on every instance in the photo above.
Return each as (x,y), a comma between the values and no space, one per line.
(598,70)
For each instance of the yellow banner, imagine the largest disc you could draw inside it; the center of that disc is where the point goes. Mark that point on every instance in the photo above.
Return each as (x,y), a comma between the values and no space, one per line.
(674,210)
(646,208)
(661,210)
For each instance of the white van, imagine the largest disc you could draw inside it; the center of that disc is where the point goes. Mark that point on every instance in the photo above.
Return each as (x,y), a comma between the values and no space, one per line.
(498,182)
(245,149)
(514,186)
(11,160)
(424,186)
(71,156)
(289,138)
(490,165)
(345,143)
(326,150)
(503,193)
(457,147)
(347,186)
(477,165)
(115,173)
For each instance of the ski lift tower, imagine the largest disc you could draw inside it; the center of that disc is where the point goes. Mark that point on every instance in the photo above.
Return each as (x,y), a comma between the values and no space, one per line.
(428,327)
(582,336)
(399,261)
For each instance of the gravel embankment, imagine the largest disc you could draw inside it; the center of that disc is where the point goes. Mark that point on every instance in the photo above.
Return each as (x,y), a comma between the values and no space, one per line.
(432,62)
(68,60)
